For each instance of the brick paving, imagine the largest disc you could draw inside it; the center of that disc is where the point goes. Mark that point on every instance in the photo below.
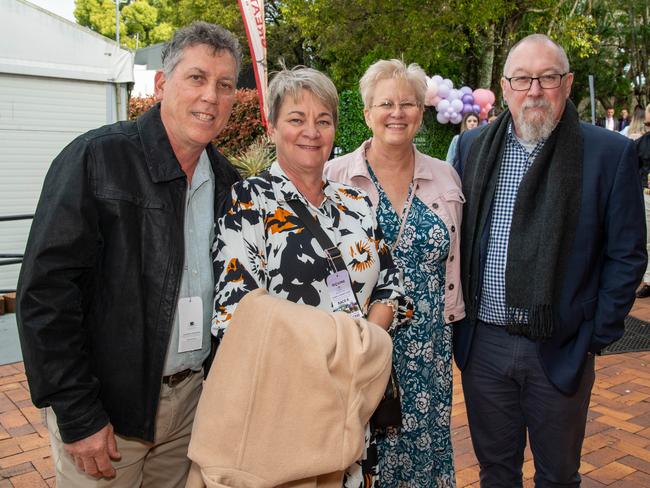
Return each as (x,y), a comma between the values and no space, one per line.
(616,451)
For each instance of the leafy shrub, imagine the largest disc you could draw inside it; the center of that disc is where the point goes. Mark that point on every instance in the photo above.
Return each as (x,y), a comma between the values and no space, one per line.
(433,138)
(139,105)
(243,128)
(352,129)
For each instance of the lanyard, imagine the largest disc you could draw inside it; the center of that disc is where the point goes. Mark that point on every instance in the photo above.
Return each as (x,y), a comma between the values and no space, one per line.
(405,213)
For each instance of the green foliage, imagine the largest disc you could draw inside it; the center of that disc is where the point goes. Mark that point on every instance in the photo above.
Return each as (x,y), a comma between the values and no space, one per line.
(142,22)
(464,40)
(434,138)
(352,129)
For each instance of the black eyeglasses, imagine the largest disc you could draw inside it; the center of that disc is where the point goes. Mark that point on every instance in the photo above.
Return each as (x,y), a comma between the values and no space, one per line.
(547,82)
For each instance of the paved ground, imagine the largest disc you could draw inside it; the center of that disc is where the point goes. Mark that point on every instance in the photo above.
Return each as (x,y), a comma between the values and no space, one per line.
(616,451)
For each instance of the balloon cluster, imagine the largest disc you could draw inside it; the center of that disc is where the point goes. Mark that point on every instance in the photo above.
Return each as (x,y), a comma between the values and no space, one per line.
(451,104)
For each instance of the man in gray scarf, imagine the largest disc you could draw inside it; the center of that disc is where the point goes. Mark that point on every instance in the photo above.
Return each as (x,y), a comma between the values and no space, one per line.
(552,250)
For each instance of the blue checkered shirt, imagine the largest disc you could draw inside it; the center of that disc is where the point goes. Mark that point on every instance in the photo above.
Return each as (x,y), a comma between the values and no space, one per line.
(516,161)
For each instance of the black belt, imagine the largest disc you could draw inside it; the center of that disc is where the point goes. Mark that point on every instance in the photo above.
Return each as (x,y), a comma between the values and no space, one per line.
(174,379)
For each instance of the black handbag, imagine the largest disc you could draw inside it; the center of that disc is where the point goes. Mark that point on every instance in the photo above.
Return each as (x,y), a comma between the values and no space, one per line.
(389,411)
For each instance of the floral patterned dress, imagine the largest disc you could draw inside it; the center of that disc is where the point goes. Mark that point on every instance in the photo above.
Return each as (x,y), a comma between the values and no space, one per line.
(419,455)
(261,243)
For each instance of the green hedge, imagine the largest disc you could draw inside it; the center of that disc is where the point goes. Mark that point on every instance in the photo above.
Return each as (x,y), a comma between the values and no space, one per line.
(352,129)
(432,138)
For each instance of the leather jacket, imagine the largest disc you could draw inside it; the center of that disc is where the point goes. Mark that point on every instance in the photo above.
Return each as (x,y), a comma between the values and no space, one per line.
(101,274)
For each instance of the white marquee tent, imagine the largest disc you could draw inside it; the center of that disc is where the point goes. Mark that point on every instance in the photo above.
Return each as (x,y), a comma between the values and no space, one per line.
(57,80)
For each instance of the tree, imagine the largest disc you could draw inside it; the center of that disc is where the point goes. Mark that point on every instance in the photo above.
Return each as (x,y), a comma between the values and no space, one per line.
(142,22)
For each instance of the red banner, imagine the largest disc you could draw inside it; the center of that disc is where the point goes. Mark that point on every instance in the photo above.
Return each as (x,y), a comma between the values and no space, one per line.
(252,12)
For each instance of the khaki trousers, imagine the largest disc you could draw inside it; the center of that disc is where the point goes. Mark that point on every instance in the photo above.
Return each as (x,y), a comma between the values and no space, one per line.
(161,464)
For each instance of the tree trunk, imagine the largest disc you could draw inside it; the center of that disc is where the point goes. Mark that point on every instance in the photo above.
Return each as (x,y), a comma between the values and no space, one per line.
(487,61)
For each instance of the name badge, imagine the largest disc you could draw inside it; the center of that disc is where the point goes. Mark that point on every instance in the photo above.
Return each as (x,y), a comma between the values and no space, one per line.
(190,318)
(341,294)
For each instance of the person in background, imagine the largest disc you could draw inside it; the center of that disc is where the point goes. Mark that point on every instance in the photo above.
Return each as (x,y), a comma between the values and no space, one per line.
(553,248)
(117,262)
(262,243)
(642,145)
(419,207)
(609,122)
(470,121)
(637,125)
(624,119)
(493,114)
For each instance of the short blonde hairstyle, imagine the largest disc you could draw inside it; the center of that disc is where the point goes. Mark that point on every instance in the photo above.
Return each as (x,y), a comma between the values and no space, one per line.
(392,69)
(293,81)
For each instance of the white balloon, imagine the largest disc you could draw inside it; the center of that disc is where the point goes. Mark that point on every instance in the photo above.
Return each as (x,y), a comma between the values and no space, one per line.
(443,90)
(456,118)
(437,78)
(443,105)
(448,82)
(442,118)
(457,105)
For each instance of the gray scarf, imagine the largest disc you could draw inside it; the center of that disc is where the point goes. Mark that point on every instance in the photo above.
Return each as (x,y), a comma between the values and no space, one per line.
(544,220)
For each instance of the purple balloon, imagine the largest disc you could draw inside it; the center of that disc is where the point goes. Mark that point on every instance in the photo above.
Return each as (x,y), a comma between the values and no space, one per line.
(466,90)
(468,98)
(456,119)
(468,109)
(443,91)
(476,108)
(442,118)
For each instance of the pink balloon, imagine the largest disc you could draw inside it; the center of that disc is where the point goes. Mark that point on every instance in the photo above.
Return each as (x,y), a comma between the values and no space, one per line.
(483,96)
(431,95)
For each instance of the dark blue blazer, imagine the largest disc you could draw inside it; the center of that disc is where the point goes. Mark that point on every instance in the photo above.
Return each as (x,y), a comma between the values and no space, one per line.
(606,262)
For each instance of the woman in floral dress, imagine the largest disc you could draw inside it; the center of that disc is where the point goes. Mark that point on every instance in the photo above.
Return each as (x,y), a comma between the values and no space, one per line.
(418,202)
(262,243)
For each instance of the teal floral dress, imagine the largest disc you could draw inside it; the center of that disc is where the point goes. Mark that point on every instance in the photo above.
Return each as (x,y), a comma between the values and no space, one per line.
(419,455)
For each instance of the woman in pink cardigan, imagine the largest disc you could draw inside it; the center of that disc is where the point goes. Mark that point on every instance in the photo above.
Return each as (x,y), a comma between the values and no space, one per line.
(418,203)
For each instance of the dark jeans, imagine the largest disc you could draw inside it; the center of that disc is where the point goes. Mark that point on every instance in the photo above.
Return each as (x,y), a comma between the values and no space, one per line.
(507,393)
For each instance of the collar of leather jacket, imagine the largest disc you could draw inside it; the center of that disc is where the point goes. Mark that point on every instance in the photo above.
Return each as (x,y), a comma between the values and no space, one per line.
(161,161)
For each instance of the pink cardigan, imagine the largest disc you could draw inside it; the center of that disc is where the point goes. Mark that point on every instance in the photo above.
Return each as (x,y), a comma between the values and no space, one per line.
(438,187)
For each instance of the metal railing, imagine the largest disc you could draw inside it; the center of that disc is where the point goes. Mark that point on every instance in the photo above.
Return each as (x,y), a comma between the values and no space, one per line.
(12,258)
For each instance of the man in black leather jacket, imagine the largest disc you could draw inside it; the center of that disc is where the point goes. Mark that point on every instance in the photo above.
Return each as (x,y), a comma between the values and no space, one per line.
(113,284)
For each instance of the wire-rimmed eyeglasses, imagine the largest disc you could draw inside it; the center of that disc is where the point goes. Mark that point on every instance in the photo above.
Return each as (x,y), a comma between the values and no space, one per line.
(388,106)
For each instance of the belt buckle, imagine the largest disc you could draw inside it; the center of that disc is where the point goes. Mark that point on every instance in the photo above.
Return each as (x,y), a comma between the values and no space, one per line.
(178,378)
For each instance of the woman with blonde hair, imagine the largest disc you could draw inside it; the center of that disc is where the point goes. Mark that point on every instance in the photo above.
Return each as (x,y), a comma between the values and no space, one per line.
(637,124)
(470,121)
(418,202)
